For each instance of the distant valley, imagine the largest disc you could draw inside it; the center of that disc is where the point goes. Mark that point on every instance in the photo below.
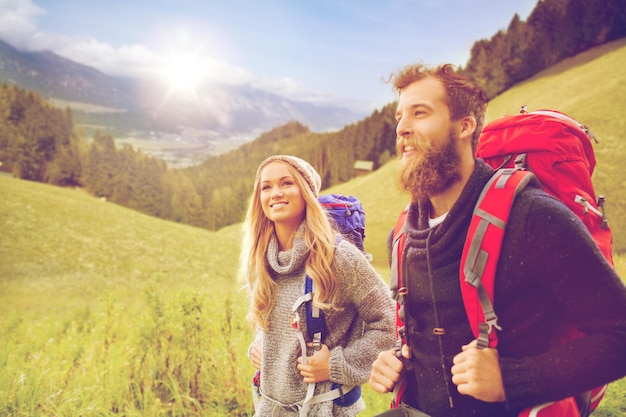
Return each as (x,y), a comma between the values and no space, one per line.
(182,129)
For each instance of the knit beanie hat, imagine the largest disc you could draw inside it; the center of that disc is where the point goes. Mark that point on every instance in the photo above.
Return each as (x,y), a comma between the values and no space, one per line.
(309,173)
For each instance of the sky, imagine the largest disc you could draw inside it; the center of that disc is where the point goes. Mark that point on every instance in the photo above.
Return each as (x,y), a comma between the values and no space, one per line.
(336,52)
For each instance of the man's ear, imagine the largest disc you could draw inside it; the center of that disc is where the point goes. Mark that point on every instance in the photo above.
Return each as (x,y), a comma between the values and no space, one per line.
(468,126)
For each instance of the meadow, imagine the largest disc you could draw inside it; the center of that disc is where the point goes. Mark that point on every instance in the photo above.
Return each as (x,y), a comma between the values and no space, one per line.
(105,311)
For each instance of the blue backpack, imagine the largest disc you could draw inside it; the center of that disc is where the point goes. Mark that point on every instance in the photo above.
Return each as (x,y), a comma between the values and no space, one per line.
(347,216)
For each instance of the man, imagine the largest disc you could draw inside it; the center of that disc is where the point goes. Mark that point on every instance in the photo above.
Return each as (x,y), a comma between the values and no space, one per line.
(550,273)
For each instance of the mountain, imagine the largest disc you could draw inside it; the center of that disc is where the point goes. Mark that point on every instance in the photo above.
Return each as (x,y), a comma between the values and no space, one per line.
(53,76)
(145,105)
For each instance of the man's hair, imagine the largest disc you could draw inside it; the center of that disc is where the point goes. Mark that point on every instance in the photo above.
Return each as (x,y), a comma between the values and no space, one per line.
(464,98)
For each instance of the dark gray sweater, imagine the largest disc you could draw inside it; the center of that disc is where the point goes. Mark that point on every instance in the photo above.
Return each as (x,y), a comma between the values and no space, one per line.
(550,273)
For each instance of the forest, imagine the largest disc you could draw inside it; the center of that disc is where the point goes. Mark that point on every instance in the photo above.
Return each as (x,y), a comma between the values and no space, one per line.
(555,29)
(39,142)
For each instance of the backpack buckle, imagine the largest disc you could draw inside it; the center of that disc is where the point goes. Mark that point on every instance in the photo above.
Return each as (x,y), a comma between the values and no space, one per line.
(317,341)
(295,320)
(491,323)
(520,161)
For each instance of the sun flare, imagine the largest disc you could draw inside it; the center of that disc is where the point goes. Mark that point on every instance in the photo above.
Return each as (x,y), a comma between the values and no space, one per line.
(183,73)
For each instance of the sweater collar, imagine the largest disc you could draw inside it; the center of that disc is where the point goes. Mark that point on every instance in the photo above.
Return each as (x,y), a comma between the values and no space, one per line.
(289,261)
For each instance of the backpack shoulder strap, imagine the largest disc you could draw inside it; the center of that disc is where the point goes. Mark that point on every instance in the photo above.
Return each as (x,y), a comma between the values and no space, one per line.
(482,250)
(342,395)
(396,284)
(396,251)
(398,292)
(315,319)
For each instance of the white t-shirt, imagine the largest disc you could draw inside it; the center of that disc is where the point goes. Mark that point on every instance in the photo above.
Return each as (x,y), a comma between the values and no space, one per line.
(437,220)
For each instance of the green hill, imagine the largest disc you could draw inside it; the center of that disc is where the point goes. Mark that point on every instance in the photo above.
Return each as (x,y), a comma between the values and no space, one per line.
(80,246)
(106,311)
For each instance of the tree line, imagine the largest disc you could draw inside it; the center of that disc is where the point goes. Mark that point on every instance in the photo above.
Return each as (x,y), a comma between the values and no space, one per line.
(38,142)
(555,29)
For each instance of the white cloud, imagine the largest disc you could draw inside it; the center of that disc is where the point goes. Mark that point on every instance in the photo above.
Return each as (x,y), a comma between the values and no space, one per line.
(18,21)
(18,27)
(127,60)
(292,89)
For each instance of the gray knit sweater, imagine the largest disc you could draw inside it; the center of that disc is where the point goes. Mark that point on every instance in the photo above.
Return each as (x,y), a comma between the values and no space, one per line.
(356,334)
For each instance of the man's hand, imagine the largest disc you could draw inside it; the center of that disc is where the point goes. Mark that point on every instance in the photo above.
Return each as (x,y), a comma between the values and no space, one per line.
(386,370)
(255,355)
(317,366)
(476,372)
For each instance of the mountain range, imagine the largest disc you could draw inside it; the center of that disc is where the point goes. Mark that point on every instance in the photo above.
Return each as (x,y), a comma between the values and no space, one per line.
(126,105)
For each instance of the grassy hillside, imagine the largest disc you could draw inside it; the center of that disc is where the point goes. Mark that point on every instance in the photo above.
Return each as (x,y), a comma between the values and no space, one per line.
(61,237)
(106,311)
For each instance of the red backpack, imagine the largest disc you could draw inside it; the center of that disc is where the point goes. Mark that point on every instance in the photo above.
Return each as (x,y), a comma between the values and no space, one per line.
(545,145)
(559,151)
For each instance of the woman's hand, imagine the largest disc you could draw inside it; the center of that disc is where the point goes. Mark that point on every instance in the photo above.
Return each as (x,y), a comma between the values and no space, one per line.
(255,355)
(317,368)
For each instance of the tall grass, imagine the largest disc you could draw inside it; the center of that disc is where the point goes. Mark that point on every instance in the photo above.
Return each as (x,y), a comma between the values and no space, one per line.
(108,312)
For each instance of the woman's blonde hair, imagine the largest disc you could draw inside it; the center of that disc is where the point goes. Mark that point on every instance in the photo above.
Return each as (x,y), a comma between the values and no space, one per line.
(319,238)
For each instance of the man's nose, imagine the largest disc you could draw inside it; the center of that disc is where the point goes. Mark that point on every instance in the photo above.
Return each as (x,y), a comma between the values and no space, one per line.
(402,128)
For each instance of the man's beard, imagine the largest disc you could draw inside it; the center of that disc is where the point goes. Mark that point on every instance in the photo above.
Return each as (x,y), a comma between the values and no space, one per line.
(432,170)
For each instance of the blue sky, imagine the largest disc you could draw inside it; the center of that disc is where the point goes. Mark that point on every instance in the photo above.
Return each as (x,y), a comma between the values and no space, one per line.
(321,51)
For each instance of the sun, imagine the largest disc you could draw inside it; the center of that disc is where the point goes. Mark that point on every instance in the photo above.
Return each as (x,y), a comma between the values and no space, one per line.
(183,73)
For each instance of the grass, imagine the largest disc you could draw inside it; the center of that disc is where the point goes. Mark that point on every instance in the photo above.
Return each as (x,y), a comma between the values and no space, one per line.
(105,311)
(87,331)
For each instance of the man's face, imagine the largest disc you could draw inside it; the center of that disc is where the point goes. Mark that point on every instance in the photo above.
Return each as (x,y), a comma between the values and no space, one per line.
(426,140)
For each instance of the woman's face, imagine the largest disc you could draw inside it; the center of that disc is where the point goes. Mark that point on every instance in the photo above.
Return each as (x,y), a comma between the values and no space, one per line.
(281,198)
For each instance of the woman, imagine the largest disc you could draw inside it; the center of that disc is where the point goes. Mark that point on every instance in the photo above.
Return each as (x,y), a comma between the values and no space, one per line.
(287,236)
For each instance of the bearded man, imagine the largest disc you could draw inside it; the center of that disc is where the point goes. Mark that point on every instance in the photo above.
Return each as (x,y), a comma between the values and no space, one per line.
(549,265)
